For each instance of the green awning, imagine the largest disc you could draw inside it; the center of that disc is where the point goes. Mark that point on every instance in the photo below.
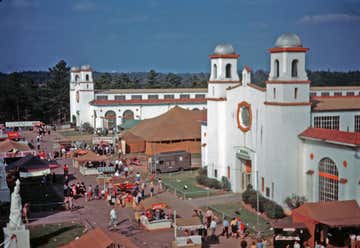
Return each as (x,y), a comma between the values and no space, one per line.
(129,124)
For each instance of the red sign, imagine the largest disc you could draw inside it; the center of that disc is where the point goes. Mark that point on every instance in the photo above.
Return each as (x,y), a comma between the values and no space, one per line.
(13,135)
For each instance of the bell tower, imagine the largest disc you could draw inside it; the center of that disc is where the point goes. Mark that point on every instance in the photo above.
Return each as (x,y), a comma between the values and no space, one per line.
(288,81)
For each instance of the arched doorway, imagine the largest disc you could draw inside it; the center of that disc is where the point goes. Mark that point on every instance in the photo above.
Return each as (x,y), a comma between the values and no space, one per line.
(328,180)
(128,115)
(110,117)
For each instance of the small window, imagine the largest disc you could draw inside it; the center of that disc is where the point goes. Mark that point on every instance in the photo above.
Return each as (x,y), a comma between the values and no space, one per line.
(312,94)
(204,134)
(327,122)
(200,96)
(169,97)
(357,123)
(274,93)
(136,97)
(262,184)
(87,86)
(228,71)
(295,93)
(338,94)
(213,90)
(87,77)
(181,158)
(277,68)
(325,94)
(228,172)
(350,93)
(294,68)
(153,97)
(184,96)
(215,173)
(161,162)
(76,78)
(272,190)
(120,97)
(215,71)
(101,97)
(267,192)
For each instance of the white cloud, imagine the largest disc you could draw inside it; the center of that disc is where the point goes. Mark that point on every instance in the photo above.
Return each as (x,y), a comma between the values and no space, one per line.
(84,6)
(329,18)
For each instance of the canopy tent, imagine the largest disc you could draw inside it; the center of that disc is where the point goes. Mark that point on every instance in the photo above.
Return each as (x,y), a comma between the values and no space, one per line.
(334,214)
(191,223)
(93,238)
(153,202)
(91,156)
(30,166)
(173,127)
(10,149)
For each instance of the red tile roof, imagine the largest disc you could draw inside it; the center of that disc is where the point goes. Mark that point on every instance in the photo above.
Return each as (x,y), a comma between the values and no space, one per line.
(332,136)
(147,101)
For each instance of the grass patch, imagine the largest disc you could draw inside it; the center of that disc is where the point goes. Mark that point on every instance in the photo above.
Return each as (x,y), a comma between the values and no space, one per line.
(177,181)
(250,219)
(54,235)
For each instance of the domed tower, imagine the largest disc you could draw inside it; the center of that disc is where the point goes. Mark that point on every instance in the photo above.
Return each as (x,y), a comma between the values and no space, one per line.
(81,93)
(288,81)
(223,70)
(287,114)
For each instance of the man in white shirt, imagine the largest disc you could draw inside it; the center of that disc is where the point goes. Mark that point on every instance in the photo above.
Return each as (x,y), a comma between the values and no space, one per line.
(113,217)
(213,227)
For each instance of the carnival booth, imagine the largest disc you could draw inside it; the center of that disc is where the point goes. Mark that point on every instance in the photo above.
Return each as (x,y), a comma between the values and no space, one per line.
(11,150)
(190,229)
(154,214)
(90,163)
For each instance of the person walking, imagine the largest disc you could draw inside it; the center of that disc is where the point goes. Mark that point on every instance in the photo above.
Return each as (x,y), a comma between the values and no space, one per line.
(151,189)
(160,184)
(25,212)
(225,228)
(113,217)
(213,227)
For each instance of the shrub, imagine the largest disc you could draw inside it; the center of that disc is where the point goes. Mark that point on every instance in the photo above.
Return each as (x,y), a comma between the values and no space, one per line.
(209,182)
(295,201)
(225,184)
(85,127)
(247,193)
(273,210)
(203,171)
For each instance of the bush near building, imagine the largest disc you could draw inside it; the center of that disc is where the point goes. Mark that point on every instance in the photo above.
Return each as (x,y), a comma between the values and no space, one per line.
(270,208)
(203,179)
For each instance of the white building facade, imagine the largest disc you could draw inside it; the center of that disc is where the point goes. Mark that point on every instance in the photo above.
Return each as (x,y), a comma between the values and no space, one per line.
(287,138)
(110,108)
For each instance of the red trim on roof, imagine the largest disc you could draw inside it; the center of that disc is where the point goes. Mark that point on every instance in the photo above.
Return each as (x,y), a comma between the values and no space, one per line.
(224,56)
(147,101)
(332,136)
(288,49)
(247,68)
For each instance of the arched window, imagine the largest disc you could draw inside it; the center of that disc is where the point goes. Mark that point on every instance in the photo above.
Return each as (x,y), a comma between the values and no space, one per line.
(294,68)
(76,78)
(128,115)
(277,68)
(110,118)
(328,180)
(87,77)
(228,71)
(215,71)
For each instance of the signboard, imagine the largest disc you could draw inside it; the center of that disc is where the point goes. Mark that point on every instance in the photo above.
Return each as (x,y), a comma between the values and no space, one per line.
(243,153)
(21,123)
(13,135)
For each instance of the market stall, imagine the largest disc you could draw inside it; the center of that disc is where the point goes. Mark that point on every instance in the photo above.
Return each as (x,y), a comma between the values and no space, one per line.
(154,214)
(90,162)
(189,228)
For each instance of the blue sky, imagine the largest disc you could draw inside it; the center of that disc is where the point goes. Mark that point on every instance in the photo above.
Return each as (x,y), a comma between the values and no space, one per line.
(173,35)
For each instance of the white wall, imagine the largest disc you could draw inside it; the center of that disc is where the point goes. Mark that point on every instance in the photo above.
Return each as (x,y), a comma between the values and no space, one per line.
(320,150)
(285,60)
(347,119)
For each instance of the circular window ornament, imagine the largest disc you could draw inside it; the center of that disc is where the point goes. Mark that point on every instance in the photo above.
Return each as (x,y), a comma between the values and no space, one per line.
(244,116)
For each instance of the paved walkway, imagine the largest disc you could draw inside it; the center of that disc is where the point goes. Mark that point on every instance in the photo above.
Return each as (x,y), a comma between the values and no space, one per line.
(96,213)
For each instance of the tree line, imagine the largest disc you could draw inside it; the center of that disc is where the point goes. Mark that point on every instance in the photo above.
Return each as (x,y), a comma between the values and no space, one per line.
(45,95)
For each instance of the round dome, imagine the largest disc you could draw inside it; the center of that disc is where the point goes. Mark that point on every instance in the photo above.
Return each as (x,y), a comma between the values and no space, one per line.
(288,40)
(223,49)
(85,67)
(75,68)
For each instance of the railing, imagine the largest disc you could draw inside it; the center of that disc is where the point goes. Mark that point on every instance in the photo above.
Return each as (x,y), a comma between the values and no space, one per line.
(260,228)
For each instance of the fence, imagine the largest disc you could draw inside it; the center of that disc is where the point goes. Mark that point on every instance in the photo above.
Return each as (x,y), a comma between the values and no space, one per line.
(263,229)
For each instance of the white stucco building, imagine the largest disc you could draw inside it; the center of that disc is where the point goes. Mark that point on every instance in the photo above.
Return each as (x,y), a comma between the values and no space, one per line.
(285,138)
(109,108)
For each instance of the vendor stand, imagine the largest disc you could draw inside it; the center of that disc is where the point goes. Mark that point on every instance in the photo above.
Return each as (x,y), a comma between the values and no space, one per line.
(154,214)
(89,163)
(190,228)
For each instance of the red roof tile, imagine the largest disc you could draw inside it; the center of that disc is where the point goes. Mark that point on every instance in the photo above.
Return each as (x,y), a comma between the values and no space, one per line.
(147,101)
(335,103)
(332,136)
